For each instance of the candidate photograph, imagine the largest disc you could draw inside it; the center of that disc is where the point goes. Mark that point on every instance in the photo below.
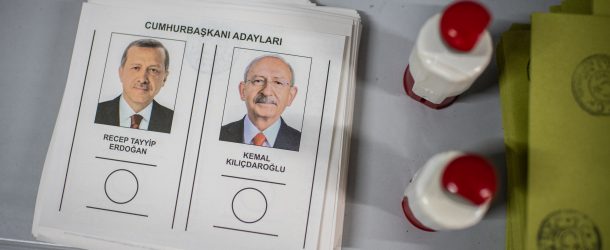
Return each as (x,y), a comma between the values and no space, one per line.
(143,72)
(267,90)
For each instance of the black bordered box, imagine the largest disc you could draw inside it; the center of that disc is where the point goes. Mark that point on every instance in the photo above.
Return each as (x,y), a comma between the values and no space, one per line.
(111,88)
(235,108)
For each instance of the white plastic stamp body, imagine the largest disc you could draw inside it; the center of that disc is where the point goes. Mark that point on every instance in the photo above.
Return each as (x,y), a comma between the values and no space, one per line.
(441,68)
(453,190)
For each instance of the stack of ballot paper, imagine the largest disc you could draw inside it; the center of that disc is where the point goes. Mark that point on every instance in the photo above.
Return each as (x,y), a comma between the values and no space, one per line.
(555,92)
(202,125)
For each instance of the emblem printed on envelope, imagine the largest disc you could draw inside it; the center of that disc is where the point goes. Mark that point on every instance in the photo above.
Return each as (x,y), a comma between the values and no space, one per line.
(568,229)
(591,84)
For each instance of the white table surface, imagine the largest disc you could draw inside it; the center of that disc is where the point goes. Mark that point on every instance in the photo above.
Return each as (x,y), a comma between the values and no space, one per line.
(393,134)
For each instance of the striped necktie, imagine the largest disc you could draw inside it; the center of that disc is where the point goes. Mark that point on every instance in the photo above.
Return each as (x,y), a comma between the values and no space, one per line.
(135,121)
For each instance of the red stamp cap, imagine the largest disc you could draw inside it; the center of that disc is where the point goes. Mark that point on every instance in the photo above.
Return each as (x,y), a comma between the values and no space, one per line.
(471,177)
(462,23)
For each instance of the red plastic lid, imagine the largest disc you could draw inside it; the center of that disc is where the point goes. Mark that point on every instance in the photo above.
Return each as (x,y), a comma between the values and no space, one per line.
(471,177)
(462,24)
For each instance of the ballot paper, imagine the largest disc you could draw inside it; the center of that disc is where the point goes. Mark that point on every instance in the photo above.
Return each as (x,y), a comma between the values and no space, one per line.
(184,176)
(569,122)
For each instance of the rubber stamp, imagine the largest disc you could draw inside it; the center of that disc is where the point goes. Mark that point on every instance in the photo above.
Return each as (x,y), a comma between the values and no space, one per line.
(453,190)
(452,49)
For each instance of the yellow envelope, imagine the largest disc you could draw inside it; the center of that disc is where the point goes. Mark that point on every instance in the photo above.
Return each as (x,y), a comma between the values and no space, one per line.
(601,7)
(584,7)
(555,8)
(513,55)
(568,196)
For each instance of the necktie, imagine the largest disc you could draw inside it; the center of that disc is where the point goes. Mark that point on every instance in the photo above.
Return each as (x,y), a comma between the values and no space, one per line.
(259,139)
(135,121)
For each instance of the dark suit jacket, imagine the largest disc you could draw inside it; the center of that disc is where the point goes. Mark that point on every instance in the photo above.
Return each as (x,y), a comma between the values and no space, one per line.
(160,117)
(287,137)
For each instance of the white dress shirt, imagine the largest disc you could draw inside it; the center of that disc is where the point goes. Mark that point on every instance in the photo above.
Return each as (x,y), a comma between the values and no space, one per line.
(125,113)
(270,133)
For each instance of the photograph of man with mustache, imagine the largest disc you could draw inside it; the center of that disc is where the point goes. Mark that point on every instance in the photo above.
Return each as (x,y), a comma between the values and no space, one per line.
(267,89)
(143,72)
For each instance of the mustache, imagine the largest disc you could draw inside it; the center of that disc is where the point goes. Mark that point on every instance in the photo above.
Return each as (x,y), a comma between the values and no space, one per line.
(260,98)
(142,85)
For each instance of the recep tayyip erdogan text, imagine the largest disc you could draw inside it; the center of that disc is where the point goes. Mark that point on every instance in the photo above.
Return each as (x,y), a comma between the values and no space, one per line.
(129,144)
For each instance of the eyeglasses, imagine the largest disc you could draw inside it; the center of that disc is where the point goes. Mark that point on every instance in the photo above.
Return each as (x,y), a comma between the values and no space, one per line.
(261,81)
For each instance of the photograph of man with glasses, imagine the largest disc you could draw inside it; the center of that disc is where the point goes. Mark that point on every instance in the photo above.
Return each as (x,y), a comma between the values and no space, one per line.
(267,89)
(143,72)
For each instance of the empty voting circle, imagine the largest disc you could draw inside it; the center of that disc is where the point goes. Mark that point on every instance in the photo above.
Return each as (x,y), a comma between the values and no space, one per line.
(249,205)
(121,186)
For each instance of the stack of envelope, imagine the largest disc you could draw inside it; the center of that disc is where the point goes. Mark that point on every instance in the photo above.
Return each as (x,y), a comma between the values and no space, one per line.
(555,93)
